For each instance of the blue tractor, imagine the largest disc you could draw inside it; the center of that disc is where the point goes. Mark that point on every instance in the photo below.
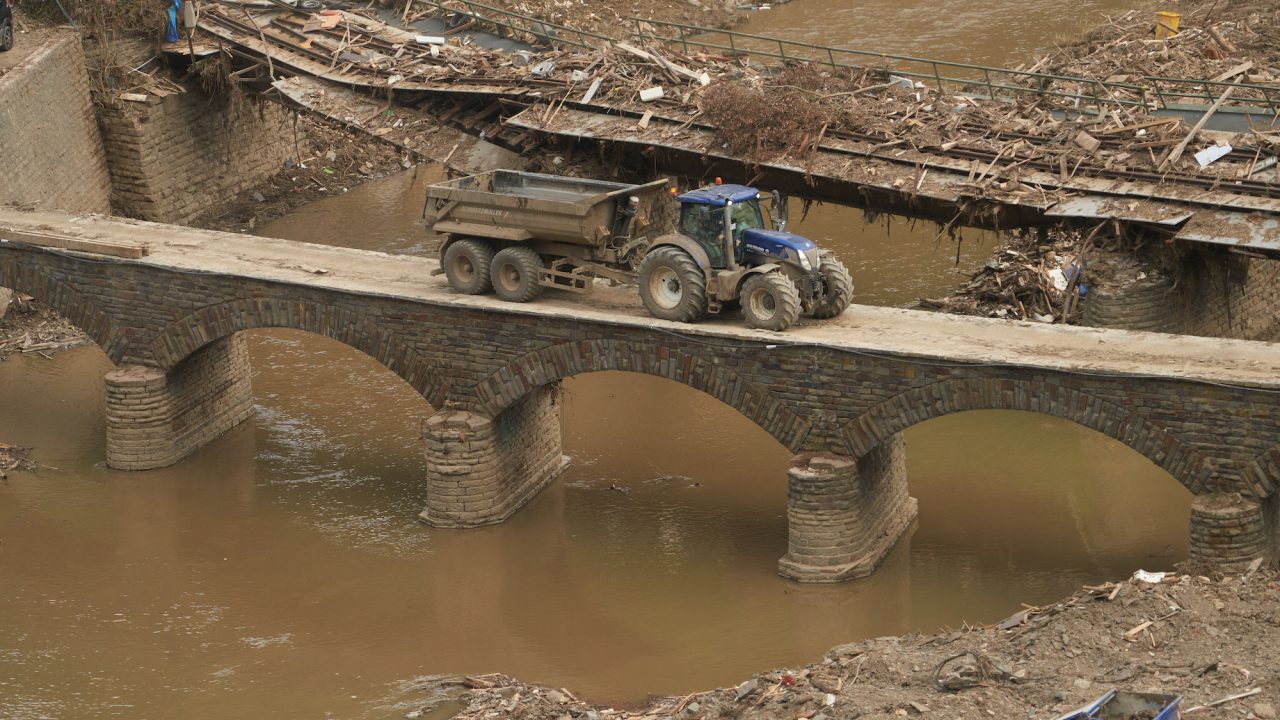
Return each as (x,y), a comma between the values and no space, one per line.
(723,254)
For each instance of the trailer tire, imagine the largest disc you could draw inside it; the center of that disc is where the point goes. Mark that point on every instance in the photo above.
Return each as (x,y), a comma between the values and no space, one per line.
(466,266)
(516,274)
(770,301)
(838,284)
(672,285)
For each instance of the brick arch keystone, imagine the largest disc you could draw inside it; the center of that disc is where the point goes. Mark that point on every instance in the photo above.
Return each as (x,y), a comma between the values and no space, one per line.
(179,340)
(1188,465)
(73,305)
(504,387)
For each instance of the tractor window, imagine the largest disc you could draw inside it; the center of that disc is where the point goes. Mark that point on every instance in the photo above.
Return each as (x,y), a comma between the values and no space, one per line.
(705,225)
(746,216)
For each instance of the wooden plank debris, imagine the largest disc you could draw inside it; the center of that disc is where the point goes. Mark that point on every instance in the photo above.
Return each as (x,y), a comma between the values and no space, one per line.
(77,244)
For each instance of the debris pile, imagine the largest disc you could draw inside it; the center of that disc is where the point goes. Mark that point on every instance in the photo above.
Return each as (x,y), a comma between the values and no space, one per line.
(1027,279)
(871,109)
(30,327)
(13,457)
(593,17)
(1211,41)
(1212,639)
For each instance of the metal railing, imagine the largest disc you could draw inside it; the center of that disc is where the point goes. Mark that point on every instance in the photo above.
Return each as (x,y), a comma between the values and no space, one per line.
(992,82)
(541,30)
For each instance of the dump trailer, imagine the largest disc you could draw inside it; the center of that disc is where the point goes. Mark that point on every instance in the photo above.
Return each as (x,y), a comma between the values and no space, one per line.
(516,233)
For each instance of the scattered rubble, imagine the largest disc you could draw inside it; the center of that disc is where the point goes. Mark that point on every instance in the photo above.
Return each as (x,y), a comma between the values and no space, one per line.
(1031,128)
(1213,40)
(335,160)
(13,457)
(1030,277)
(30,327)
(1212,639)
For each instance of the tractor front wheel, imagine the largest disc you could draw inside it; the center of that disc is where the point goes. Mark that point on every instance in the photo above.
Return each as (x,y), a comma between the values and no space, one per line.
(836,291)
(770,301)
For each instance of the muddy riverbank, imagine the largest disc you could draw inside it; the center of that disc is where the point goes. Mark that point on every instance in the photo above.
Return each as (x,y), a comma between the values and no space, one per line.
(1204,637)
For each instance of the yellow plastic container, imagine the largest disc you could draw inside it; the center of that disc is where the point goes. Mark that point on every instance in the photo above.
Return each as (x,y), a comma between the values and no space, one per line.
(1167,24)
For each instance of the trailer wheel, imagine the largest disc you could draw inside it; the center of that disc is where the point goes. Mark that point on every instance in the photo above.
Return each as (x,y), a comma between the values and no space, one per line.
(466,265)
(516,274)
(672,285)
(770,301)
(837,290)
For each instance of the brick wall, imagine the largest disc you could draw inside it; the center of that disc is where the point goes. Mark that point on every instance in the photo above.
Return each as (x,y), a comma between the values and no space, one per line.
(174,159)
(1228,531)
(1219,294)
(50,150)
(480,471)
(844,515)
(154,420)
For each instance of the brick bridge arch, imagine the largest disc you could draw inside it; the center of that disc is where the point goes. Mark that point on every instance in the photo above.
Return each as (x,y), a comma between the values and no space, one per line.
(73,305)
(1186,464)
(537,369)
(179,340)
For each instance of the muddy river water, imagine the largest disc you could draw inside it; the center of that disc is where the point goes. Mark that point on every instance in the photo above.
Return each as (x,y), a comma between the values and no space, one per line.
(281,571)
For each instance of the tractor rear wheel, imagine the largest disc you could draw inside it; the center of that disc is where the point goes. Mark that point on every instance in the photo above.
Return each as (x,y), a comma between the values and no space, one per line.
(770,301)
(672,285)
(516,274)
(837,290)
(466,265)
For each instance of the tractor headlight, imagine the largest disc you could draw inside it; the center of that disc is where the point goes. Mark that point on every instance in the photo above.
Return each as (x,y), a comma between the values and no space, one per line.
(804,261)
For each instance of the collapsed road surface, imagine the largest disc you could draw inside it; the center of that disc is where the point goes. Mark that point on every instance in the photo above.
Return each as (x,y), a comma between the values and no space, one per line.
(1058,155)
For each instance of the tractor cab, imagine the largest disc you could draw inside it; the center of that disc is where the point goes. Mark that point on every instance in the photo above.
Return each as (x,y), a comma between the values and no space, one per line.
(724,255)
(727,222)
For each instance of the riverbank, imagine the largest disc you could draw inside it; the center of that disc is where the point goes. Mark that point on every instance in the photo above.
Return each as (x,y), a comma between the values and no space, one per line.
(1205,637)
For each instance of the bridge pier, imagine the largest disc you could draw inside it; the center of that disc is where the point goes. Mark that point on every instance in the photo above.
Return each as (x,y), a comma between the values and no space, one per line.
(155,419)
(481,470)
(844,515)
(1229,531)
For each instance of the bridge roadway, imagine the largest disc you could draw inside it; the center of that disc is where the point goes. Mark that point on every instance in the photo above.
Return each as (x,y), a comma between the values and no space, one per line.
(836,393)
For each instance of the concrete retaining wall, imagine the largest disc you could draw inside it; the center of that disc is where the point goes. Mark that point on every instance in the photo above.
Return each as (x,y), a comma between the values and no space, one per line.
(50,150)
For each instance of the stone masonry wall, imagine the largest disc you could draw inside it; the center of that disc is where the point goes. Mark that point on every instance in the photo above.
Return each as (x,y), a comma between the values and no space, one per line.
(1228,531)
(172,160)
(50,150)
(485,360)
(845,515)
(1221,294)
(479,471)
(154,420)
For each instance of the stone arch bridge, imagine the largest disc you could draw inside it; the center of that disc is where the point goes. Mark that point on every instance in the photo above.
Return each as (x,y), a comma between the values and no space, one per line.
(837,394)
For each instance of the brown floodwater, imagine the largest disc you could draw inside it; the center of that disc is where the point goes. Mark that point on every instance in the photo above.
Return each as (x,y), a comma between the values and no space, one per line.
(282,571)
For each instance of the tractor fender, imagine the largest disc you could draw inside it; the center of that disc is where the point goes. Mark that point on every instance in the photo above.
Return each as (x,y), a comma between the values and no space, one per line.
(688,245)
(757,270)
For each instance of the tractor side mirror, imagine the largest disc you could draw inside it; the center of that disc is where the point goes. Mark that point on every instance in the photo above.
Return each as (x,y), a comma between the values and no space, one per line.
(779,211)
